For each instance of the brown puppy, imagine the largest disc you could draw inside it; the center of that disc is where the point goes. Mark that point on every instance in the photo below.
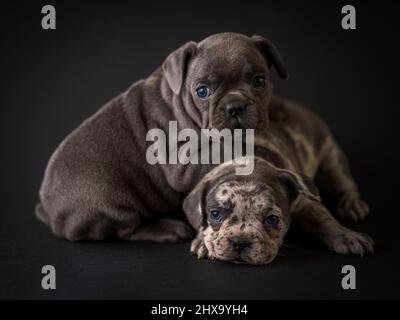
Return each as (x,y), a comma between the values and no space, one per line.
(244,218)
(98,183)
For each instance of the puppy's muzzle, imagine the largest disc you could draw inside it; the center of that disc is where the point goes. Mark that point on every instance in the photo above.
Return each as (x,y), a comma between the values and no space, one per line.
(239,244)
(236,109)
(236,104)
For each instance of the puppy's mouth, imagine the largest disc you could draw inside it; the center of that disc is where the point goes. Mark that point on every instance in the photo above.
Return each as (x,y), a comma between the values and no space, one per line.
(251,119)
(238,123)
(242,259)
(247,257)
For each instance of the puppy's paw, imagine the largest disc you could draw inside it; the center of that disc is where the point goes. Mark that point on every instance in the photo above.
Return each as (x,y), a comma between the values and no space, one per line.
(164,230)
(346,241)
(175,230)
(199,249)
(352,208)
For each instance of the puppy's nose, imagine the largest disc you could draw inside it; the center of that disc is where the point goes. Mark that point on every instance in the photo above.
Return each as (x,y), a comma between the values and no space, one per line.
(239,243)
(235,109)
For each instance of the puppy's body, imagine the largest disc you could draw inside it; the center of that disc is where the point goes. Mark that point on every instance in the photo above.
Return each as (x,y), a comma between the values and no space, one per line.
(298,140)
(98,182)
(295,139)
(296,146)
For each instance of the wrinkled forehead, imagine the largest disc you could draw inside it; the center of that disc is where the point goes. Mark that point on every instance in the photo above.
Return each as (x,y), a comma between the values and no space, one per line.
(238,193)
(226,59)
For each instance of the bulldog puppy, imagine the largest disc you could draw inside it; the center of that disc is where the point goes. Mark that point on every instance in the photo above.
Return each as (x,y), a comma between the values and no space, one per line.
(98,182)
(243,219)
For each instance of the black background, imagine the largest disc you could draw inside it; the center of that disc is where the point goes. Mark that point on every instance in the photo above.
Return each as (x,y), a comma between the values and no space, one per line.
(50,81)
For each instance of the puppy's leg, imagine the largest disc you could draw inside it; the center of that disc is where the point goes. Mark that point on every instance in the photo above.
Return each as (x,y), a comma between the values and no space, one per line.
(95,218)
(335,171)
(315,218)
(162,230)
(198,247)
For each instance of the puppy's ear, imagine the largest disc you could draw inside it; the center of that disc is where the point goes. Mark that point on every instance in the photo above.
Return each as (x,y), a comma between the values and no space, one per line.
(299,184)
(272,55)
(194,204)
(175,65)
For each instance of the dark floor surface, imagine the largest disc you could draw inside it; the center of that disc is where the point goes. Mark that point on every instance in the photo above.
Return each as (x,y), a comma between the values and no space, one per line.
(129,270)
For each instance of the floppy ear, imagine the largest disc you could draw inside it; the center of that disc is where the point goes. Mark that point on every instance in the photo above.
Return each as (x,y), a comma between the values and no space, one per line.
(175,65)
(272,55)
(193,205)
(299,184)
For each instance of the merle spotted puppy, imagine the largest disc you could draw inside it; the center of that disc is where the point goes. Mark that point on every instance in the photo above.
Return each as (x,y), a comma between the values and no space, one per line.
(244,219)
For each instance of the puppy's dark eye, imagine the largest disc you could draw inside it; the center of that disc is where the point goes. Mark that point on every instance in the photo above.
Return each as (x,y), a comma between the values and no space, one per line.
(203,92)
(272,219)
(258,82)
(216,215)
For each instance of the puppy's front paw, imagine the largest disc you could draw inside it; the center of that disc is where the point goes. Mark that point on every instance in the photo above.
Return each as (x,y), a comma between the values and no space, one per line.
(346,241)
(180,231)
(171,230)
(199,249)
(352,208)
